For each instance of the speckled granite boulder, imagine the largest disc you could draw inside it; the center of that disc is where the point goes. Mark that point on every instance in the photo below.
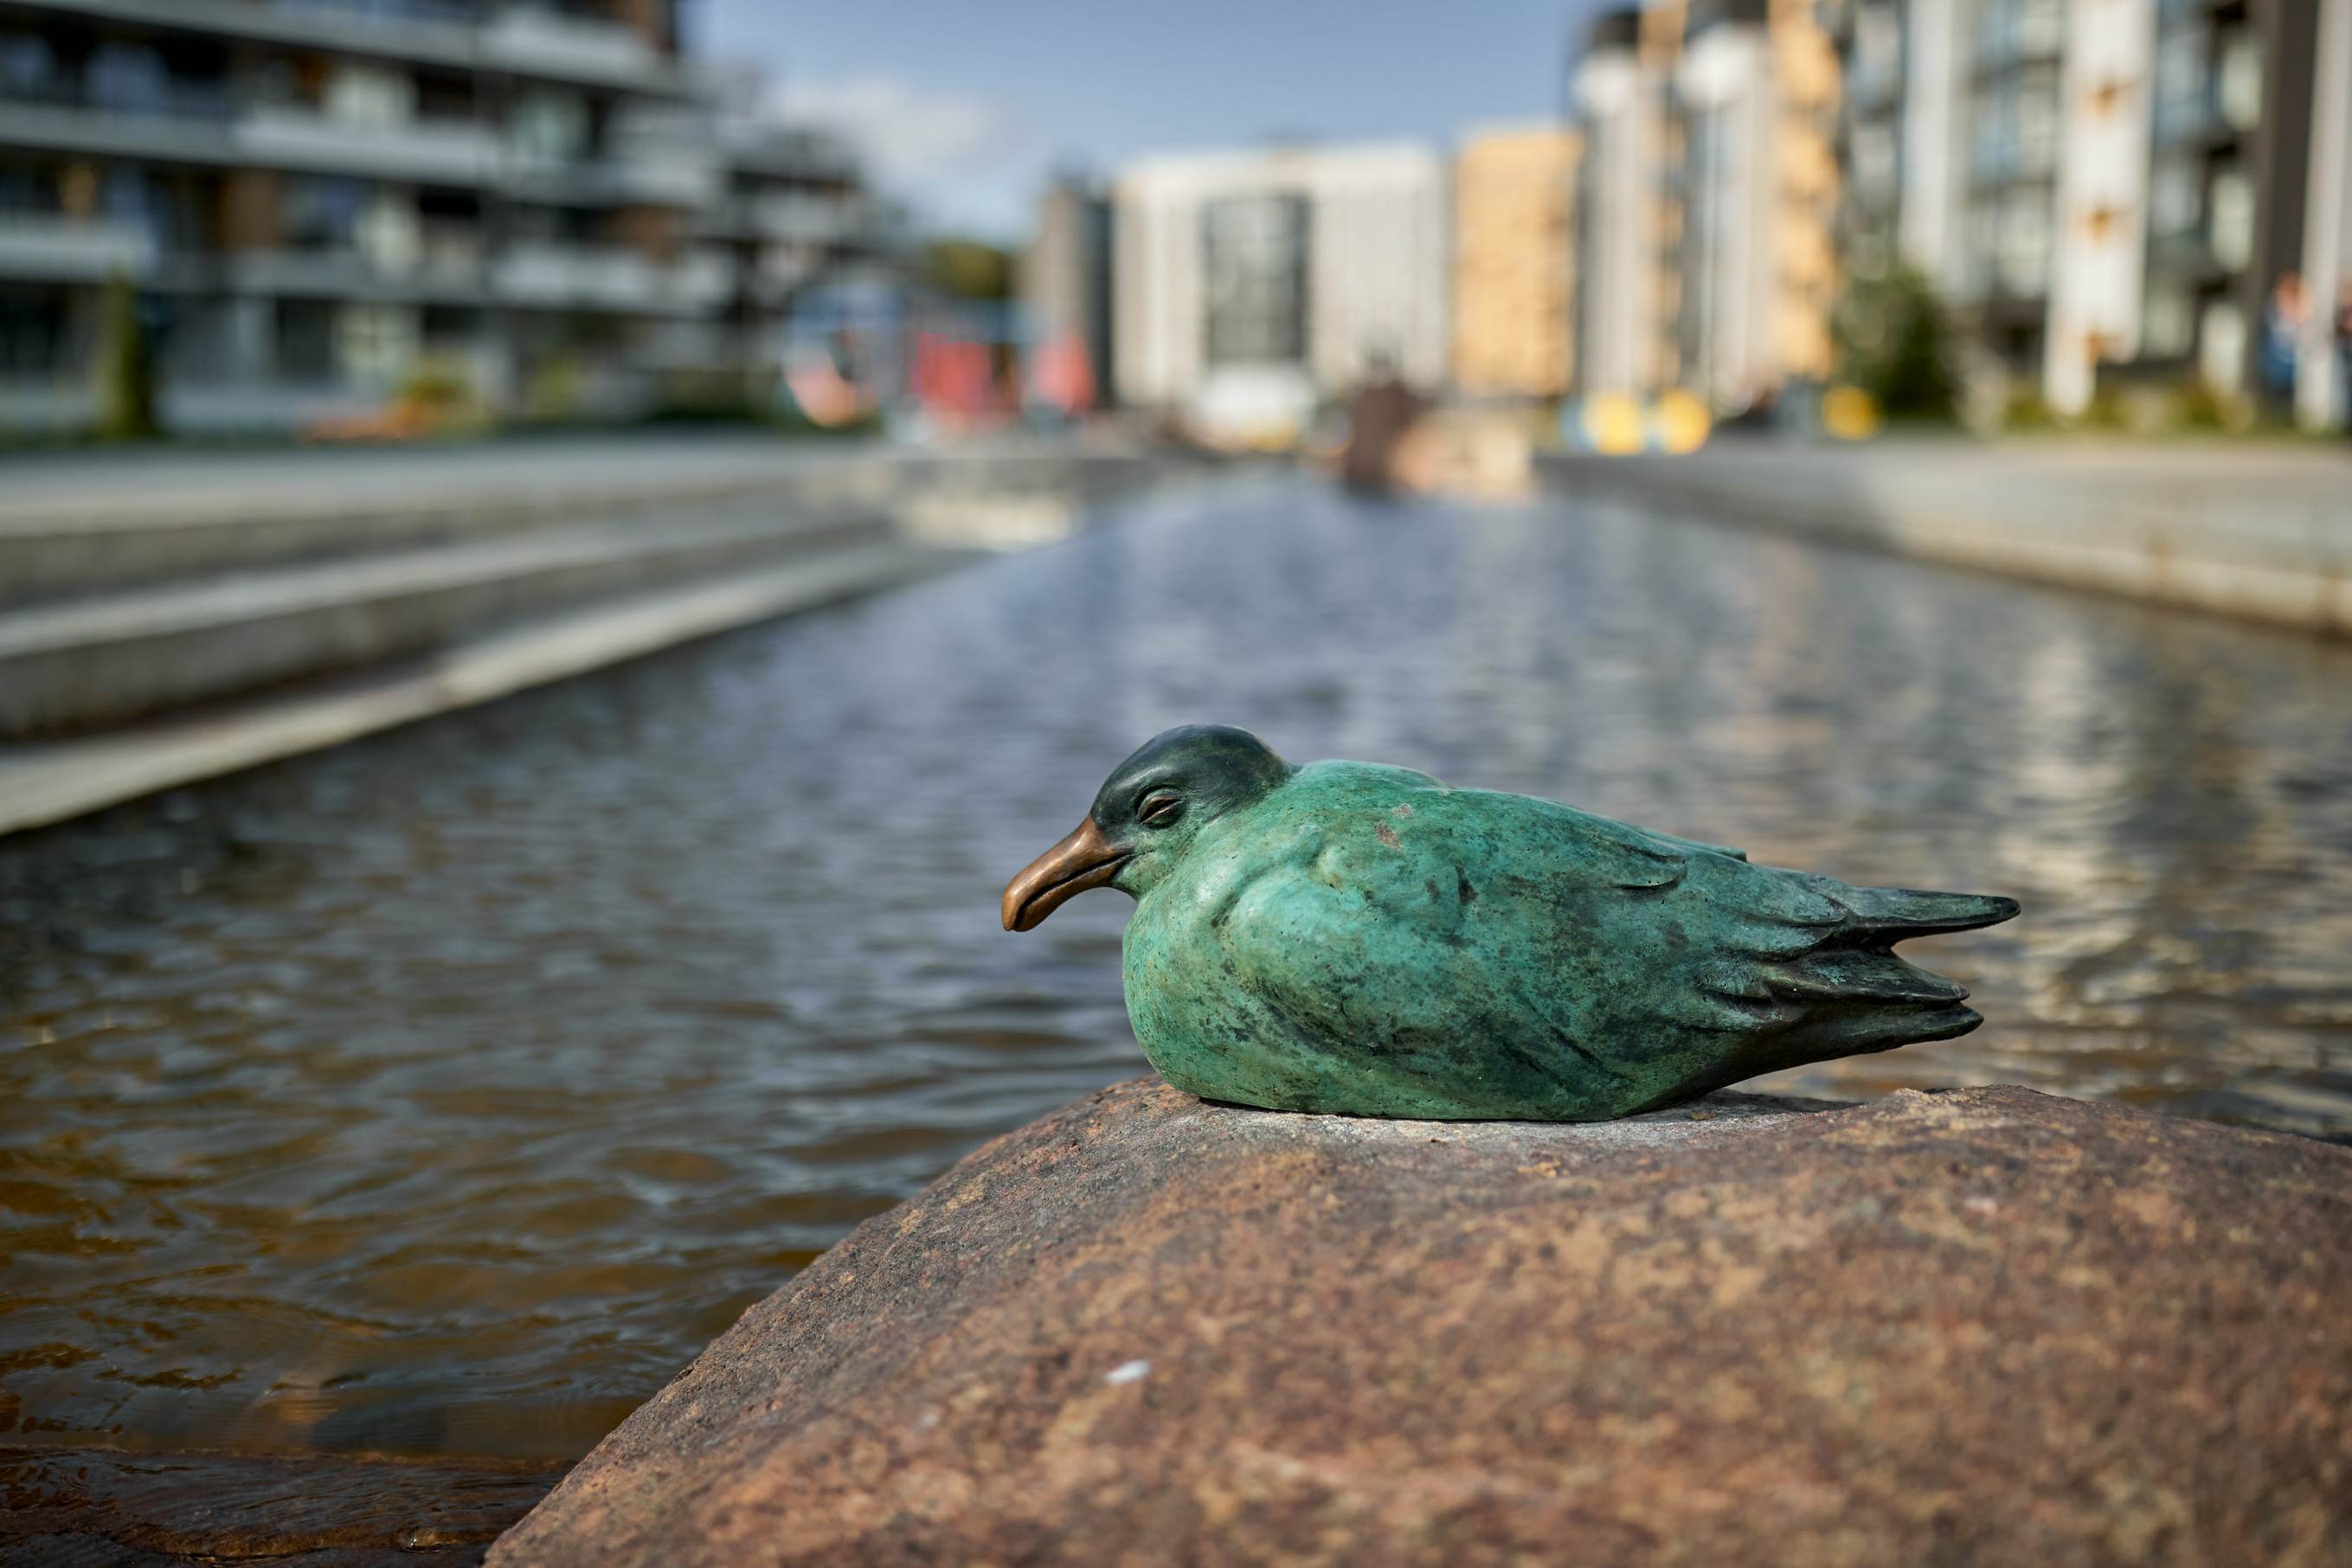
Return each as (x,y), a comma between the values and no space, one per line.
(1985,1326)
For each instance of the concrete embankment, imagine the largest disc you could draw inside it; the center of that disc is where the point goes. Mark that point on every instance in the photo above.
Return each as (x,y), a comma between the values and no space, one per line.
(1985,1326)
(2258,531)
(167,619)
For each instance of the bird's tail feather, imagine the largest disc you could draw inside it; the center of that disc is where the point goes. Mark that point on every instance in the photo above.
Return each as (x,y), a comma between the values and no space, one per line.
(1856,1031)
(1884,916)
(1807,971)
(1859,976)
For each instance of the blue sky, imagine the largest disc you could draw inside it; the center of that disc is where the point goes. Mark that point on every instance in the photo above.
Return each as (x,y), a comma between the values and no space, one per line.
(965,108)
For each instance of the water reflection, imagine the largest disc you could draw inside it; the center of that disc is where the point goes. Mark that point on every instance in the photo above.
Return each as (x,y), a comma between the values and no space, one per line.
(442,1093)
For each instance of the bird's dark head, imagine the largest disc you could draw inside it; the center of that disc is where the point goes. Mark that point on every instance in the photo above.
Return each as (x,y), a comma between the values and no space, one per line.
(1146,816)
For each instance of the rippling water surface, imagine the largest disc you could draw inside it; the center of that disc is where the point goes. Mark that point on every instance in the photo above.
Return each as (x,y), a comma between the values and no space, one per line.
(442,1093)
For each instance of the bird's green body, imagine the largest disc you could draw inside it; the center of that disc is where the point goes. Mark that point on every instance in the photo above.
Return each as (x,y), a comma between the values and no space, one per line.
(1351,938)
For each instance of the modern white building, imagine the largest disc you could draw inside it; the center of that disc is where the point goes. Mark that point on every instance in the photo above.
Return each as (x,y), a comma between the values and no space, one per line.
(1619,98)
(1251,284)
(2104,189)
(1725,85)
(1756,90)
(1904,117)
(1707,259)
(2321,396)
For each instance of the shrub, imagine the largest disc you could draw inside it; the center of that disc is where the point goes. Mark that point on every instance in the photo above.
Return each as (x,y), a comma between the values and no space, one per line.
(1895,341)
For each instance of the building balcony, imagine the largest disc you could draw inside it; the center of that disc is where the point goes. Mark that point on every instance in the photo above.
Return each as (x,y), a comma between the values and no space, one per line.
(353,274)
(799,218)
(521,39)
(73,127)
(425,152)
(546,275)
(683,177)
(530,41)
(67,250)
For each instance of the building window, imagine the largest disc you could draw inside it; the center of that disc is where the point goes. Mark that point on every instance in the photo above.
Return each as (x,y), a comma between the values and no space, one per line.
(1875,170)
(2037,122)
(127,198)
(2167,325)
(1983,240)
(32,330)
(549,126)
(29,71)
(1987,139)
(2222,348)
(2179,80)
(29,190)
(2041,27)
(2175,204)
(1253,266)
(2238,91)
(2231,234)
(376,343)
(360,94)
(306,340)
(128,79)
(2024,259)
(321,214)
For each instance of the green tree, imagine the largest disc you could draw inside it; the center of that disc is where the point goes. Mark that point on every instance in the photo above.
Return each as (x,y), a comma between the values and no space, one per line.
(969,268)
(126,365)
(1894,340)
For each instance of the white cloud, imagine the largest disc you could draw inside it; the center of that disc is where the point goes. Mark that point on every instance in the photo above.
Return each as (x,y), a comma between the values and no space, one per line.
(962,157)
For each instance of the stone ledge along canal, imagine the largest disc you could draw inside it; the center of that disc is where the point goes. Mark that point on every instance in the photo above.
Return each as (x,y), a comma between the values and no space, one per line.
(440,1095)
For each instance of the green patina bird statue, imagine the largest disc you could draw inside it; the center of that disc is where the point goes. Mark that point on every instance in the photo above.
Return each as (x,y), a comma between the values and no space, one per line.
(1344,937)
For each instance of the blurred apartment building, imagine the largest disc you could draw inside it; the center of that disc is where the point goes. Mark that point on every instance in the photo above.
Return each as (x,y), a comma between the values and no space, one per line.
(1708,199)
(1066,273)
(2104,188)
(314,198)
(1248,286)
(2098,189)
(1514,258)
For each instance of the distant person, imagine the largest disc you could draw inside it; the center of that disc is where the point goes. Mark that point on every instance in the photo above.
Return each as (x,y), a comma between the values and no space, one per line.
(2282,337)
(1381,416)
(2344,351)
(1759,410)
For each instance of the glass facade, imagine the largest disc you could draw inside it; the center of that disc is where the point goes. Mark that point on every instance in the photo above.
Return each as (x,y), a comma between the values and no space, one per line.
(1253,273)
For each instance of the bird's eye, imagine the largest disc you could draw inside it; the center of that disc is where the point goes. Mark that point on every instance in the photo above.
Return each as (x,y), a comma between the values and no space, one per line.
(1159,810)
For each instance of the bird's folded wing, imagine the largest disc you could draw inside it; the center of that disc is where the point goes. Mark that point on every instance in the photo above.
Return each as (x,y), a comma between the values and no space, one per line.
(1391,977)
(1695,846)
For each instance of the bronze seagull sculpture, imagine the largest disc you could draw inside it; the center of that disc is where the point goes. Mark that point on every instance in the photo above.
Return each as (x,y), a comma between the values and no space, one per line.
(1347,937)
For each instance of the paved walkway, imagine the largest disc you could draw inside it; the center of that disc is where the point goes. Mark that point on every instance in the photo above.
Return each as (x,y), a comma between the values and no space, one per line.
(93,484)
(2257,529)
(96,486)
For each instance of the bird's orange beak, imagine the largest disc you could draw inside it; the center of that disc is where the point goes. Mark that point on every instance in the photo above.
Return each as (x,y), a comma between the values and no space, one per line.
(1084,860)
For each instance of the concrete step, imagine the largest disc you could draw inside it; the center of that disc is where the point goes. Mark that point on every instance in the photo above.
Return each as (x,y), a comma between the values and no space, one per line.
(73,530)
(109,659)
(49,781)
(52,548)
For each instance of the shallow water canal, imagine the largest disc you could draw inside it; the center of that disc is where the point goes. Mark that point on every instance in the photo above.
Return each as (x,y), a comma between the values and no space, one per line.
(442,1093)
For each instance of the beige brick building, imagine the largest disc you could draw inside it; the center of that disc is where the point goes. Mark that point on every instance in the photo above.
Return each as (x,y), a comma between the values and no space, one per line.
(1514,244)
